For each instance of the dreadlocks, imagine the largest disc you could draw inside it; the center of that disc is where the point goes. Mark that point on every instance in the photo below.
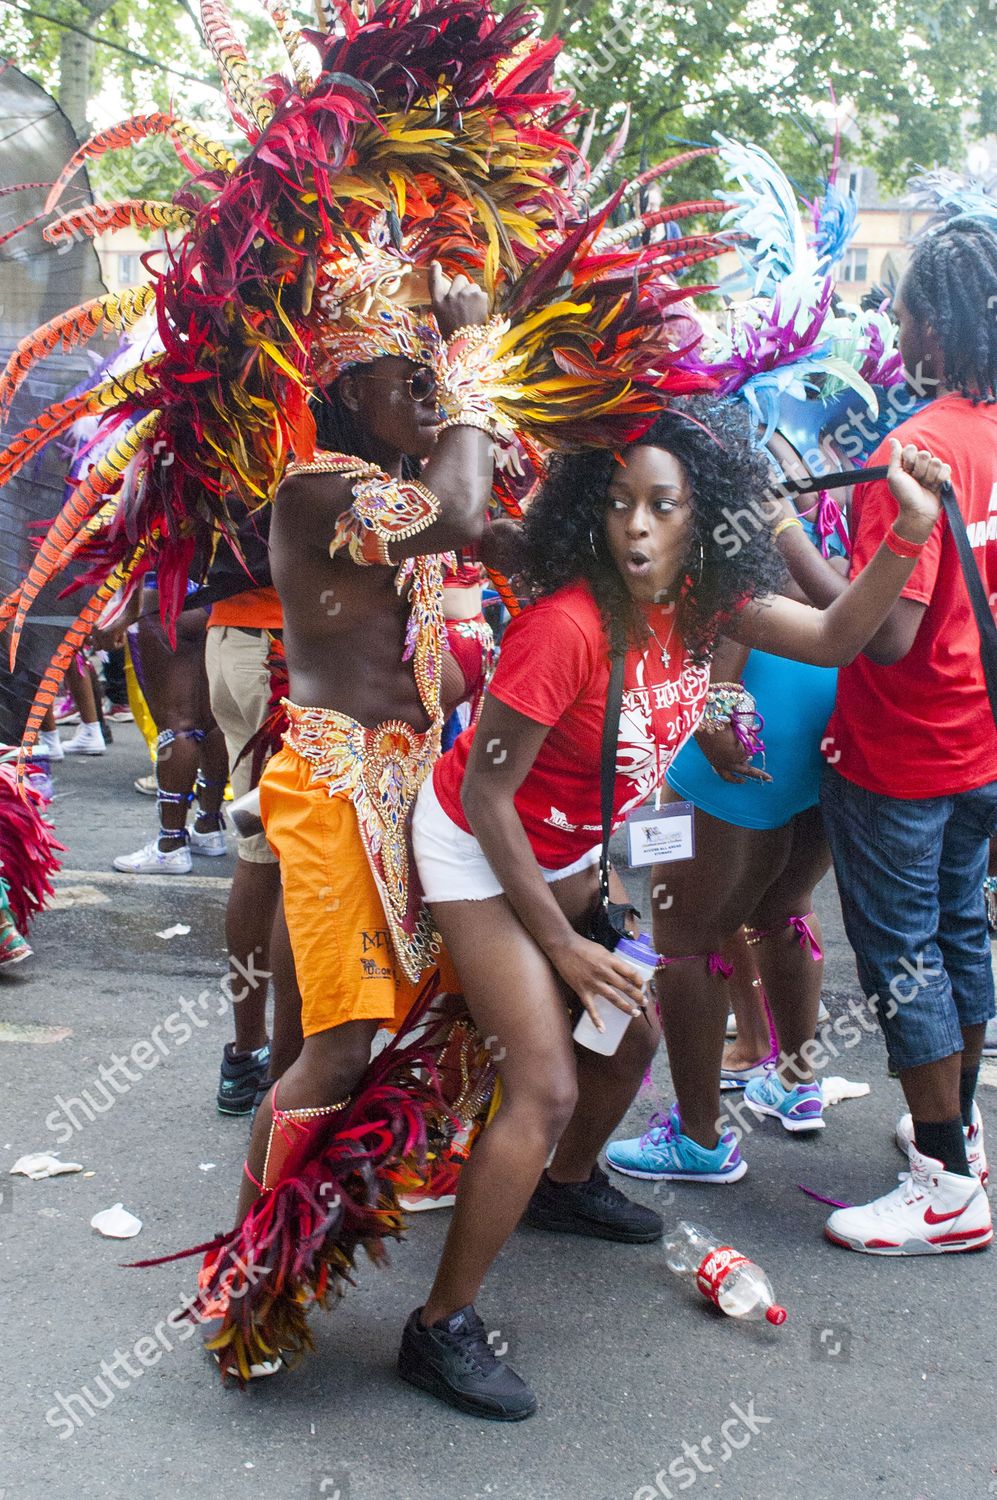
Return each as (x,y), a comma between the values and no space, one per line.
(951,283)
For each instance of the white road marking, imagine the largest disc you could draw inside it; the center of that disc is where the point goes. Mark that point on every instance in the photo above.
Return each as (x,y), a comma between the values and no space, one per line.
(175,882)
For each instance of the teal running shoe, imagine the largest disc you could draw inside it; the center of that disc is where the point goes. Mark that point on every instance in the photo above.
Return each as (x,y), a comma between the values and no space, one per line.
(799,1108)
(663,1153)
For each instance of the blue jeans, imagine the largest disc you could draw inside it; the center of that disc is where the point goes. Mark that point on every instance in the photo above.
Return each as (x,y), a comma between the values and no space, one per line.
(910,876)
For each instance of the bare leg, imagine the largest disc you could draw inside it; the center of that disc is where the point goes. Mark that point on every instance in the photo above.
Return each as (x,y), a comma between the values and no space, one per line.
(329,1068)
(791,975)
(249,920)
(932,1091)
(287,1038)
(753,1042)
(607,1086)
(80,686)
(213,766)
(708,899)
(173,693)
(514,995)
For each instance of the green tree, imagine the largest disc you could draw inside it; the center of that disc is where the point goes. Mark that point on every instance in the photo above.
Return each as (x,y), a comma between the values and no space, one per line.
(915,76)
(103,59)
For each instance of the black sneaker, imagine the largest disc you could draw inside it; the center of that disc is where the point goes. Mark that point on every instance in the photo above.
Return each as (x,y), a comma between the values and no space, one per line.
(594,1208)
(242,1074)
(453,1360)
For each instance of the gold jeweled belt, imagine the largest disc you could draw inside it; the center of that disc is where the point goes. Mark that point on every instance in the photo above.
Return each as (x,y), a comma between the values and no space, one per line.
(381,771)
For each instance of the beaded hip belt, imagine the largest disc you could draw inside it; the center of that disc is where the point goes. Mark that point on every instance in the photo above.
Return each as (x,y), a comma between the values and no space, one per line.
(380,771)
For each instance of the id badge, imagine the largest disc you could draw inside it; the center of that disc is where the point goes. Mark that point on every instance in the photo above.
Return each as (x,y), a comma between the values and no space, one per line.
(658,835)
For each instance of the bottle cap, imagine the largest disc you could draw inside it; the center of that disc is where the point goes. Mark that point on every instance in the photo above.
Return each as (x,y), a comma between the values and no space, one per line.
(639,948)
(776,1314)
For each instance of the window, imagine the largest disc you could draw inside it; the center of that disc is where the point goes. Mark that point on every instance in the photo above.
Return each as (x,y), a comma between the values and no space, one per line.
(855,266)
(128,269)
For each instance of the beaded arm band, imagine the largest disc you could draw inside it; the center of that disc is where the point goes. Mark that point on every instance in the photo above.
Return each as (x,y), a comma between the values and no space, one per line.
(470,374)
(730,705)
(384,510)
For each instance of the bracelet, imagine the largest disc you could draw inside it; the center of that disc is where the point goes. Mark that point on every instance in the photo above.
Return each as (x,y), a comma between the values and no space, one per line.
(784,523)
(901,547)
(471,377)
(723,700)
(730,705)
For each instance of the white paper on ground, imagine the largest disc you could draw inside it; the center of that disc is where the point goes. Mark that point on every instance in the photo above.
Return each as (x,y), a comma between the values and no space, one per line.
(116,1223)
(42,1164)
(833,1090)
(178,930)
(39,1164)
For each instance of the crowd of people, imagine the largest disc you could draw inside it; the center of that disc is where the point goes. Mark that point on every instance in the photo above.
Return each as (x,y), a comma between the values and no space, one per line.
(422,805)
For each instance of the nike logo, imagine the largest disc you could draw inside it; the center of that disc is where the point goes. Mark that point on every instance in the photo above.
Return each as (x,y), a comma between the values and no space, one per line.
(930,1217)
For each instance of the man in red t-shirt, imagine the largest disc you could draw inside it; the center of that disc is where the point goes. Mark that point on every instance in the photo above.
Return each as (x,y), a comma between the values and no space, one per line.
(910,788)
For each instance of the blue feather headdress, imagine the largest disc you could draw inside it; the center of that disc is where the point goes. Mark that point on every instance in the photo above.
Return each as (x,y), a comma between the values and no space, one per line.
(790,341)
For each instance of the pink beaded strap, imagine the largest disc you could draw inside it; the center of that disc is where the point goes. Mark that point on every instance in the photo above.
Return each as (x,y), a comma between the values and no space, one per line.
(716,964)
(801,926)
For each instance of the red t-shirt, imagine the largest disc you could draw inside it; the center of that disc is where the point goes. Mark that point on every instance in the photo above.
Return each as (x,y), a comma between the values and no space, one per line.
(554,669)
(923,726)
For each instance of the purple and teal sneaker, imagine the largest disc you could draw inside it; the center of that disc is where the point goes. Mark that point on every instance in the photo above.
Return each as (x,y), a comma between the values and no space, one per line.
(663,1153)
(799,1108)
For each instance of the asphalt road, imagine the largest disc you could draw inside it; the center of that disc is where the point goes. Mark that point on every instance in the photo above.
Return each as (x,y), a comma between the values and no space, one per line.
(881,1383)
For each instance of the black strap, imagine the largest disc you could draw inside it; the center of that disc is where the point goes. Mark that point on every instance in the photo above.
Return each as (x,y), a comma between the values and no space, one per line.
(977,594)
(607,771)
(834,481)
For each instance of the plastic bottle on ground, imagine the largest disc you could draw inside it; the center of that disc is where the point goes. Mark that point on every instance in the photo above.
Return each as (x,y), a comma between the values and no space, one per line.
(724,1277)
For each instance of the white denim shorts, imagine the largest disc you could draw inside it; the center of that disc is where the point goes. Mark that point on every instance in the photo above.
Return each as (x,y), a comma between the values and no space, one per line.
(452,864)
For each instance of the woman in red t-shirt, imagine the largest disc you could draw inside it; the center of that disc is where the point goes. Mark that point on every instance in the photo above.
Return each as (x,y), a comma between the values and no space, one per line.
(628,553)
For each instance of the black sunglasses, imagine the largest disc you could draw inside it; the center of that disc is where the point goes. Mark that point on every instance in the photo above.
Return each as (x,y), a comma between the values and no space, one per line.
(422,383)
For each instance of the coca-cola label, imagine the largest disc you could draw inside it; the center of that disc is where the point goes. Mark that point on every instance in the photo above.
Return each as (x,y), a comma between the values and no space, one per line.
(715,1268)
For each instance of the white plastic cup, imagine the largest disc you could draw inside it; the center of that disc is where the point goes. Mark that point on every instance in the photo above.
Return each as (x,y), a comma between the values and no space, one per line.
(639,953)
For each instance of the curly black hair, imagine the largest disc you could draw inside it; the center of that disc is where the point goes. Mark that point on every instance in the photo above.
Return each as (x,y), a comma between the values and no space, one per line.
(951,283)
(730,558)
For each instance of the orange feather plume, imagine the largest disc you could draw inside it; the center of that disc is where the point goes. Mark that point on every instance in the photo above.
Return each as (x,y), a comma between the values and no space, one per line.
(68,532)
(117,310)
(140,213)
(125,134)
(68,647)
(57,418)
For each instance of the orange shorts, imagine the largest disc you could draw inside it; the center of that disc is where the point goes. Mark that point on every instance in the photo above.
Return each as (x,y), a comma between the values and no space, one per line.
(343,954)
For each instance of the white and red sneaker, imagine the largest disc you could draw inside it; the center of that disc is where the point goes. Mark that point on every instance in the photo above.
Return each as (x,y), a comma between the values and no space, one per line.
(975,1151)
(931,1212)
(440,1187)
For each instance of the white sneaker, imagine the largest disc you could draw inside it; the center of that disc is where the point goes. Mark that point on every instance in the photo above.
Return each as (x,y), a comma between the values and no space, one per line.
(931,1212)
(49,745)
(211,845)
(975,1151)
(151,860)
(87,740)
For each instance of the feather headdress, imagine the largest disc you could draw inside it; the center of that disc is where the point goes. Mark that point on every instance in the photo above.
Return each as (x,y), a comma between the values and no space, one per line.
(419,130)
(791,339)
(946,194)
